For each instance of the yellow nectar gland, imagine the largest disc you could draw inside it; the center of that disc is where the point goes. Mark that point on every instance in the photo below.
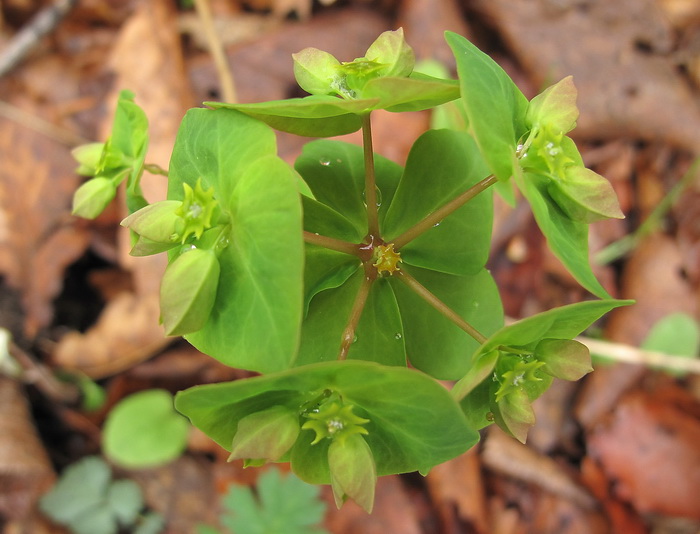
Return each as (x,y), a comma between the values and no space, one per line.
(387,259)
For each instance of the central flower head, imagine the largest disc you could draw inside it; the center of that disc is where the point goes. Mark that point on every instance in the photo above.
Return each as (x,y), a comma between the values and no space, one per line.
(386,259)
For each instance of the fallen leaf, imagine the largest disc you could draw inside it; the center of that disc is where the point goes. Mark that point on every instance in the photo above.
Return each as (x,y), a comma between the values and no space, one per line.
(38,239)
(25,468)
(649,448)
(457,490)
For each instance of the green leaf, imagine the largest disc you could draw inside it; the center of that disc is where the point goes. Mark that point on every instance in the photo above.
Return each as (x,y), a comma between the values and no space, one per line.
(441,165)
(335,173)
(413,422)
(80,489)
(283,504)
(677,334)
(254,323)
(143,430)
(495,107)
(566,238)
(391,50)
(416,93)
(125,501)
(433,343)
(325,269)
(311,116)
(378,336)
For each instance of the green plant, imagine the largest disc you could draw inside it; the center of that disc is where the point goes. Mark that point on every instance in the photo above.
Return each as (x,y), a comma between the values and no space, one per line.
(280,504)
(143,430)
(331,277)
(88,501)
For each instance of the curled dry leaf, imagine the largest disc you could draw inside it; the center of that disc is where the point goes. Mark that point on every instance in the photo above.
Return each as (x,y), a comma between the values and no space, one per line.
(25,468)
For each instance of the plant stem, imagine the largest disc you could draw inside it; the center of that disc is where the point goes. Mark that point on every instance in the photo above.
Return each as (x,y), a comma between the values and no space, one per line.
(331,243)
(349,333)
(440,306)
(370,181)
(443,211)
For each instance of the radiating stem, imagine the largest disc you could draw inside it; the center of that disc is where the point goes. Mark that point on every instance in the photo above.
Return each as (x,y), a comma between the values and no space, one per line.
(354,319)
(442,212)
(440,306)
(332,243)
(370,181)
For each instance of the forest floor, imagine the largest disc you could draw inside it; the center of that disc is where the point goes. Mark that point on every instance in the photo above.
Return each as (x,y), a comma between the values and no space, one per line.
(617,452)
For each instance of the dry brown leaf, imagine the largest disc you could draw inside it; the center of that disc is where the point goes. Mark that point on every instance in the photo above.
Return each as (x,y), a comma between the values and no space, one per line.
(618,53)
(393,512)
(457,487)
(182,491)
(38,239)
(649,448)
(126,333)
(25,468)
(509,457)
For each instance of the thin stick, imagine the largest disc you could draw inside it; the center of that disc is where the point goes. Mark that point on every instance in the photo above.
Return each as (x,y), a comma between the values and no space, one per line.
(370,180)
(442,212)
(216,48)
(440,306)
(331,243)
(629,354)
(39,125)
(43,23)
(348,337)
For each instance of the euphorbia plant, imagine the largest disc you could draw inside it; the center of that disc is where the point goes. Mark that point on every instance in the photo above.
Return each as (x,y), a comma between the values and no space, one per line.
(353,284)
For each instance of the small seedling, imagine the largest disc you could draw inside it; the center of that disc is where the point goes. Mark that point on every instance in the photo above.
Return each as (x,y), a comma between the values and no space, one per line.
(88,501)
(352,284)
(282,503)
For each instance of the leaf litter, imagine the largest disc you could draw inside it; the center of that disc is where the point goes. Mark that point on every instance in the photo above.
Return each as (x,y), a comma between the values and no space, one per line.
(630,430)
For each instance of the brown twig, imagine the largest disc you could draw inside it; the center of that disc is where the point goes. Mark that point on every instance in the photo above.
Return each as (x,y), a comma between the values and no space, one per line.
(43,23)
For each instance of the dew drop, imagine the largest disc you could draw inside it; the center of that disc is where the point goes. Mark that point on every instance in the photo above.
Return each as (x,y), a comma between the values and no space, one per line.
(354,338)
(325,162)
(398,336)
(437,224)
(490,416)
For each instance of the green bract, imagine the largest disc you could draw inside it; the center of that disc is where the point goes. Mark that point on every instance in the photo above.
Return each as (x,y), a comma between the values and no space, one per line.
(351,283)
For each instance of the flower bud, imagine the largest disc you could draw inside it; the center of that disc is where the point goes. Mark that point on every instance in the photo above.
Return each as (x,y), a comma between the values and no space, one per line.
(265,436)
(555,107)
(93,196)
(564,358)
(88,157)
(393,53)
(188,291)
(315,71)
(353,471)
(156,222)
(514,414)
(585,195)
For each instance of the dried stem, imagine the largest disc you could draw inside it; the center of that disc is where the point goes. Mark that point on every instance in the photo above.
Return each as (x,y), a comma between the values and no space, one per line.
(354,319)
(440,306)
(370,181)
(331,243)
(442,212)
(216,48)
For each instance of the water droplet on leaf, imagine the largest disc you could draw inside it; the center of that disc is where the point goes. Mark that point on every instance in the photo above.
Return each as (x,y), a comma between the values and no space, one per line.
(325,162)
(398,336)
